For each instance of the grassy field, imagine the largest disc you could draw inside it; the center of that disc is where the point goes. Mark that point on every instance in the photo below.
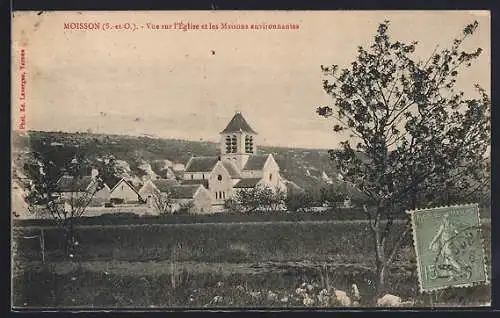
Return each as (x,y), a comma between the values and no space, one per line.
(132,265)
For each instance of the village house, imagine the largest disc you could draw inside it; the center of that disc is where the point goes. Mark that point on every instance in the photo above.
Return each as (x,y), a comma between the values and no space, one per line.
(238,166)
(124,192)
(71,188)
(152,188)
(194,197)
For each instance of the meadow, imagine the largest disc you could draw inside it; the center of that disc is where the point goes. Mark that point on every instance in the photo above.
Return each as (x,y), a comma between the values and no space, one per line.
(165,265)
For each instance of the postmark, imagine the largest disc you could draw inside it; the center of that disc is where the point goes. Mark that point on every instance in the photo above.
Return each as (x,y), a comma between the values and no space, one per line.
(449,247)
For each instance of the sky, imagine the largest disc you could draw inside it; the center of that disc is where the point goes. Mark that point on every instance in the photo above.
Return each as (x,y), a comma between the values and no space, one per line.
(188,84)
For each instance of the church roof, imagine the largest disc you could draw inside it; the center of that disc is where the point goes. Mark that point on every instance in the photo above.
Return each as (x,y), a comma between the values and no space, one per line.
(203,182)
(201,164)
(185,191)
(247,183)
(165,185)
(237,124)
(233,171)
(256,162)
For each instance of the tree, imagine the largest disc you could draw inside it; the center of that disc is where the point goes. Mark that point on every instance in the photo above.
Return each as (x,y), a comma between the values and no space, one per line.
(413,136)
(255,199)
(162,202)
(62,191)
(109,171)
(185,207)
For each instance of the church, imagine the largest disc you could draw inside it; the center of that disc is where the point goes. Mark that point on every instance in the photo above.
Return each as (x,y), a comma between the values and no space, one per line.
(239,166)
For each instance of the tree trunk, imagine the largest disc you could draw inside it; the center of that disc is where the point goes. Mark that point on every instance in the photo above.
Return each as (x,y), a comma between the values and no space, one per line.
(380,279)
(380,263)
(380,258)
(69,237)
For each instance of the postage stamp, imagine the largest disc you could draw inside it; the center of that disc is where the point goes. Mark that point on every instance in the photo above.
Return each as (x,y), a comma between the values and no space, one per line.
(449,247)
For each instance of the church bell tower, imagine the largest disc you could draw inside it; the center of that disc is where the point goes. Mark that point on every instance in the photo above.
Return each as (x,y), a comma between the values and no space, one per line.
(238,141)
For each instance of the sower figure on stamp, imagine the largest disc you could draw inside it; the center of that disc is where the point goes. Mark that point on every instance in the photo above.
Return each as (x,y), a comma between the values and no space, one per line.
(442,243)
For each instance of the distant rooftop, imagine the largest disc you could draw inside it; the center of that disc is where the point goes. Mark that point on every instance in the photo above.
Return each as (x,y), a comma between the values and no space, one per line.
(256,162)
(201,164)
(237,124)
(247,183)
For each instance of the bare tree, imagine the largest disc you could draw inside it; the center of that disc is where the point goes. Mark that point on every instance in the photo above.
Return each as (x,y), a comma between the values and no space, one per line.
(163,202)
(412,135)
(62,194)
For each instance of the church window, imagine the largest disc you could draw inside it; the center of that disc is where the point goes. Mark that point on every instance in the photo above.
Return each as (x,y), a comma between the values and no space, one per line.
(228,144)
(219,177)
(216,195)
(234,143)
(223,195)
(249,144)
(270,177)
(192,176)
(203,176)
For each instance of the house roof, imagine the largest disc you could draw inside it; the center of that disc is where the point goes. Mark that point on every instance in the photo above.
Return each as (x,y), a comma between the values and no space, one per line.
(238,124)
(256,162)
(203,182)
(201,164)
(231,168)
(69,184)
(247,183)
(165,185)
(127,183)
(185,191)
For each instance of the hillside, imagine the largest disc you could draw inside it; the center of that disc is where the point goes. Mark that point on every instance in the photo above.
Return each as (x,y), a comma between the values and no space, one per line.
(140,156)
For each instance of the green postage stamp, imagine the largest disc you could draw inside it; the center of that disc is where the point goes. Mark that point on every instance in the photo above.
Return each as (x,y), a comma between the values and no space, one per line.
(449,247)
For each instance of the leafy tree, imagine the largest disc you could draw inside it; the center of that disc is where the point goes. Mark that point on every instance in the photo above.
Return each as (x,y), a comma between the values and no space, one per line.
(412,135)
(256,199)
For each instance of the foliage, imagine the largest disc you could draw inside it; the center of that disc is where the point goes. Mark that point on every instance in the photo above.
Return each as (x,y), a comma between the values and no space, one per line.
(147,287)
(264,199)
(414,140)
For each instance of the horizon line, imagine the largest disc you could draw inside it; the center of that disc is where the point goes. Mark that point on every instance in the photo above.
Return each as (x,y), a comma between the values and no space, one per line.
(150,136)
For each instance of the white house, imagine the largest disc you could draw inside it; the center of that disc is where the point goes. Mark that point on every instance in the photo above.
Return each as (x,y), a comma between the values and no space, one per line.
(124,192)
(194,196)
(151,188)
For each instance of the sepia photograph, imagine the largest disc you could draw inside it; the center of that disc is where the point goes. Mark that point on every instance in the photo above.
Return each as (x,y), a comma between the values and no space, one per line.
(250,159)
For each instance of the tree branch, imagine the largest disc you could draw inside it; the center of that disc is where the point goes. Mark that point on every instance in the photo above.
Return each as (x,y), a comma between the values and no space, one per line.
(398,243)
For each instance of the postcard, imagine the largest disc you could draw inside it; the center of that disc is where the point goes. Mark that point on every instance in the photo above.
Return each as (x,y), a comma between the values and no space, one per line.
(250,159)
